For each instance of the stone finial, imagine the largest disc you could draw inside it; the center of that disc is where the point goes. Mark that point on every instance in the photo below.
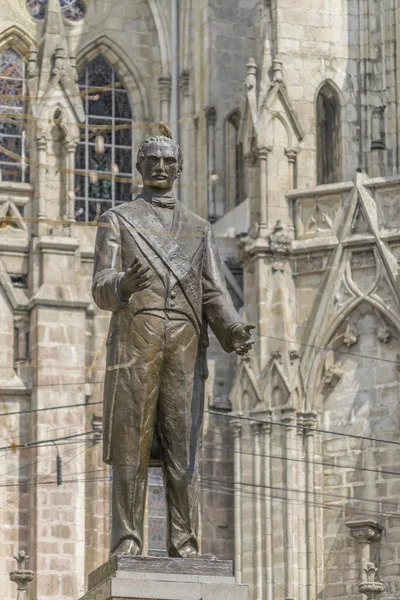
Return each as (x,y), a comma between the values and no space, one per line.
(32,60)
(371,588)
(277,69)
(74,70)
(59,60)
(22,577)
(251,74)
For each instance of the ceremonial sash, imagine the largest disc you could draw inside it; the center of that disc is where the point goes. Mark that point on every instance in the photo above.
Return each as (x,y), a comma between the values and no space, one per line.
(146,229)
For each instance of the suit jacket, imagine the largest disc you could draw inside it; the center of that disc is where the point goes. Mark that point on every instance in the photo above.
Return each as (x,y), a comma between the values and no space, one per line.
(186,278)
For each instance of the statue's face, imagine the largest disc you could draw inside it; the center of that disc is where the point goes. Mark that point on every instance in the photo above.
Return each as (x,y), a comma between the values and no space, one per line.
(159,167)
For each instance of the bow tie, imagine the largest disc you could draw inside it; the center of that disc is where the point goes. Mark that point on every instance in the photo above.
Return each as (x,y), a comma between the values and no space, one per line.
(163,202)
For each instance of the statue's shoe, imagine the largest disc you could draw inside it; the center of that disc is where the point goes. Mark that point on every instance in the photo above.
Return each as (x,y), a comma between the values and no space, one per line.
(128,548)
(187,551)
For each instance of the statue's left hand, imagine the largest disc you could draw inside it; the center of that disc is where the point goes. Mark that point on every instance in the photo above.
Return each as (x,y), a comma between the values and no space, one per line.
(242,339)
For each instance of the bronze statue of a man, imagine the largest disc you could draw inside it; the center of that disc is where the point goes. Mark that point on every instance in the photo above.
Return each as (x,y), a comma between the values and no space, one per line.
(158,271)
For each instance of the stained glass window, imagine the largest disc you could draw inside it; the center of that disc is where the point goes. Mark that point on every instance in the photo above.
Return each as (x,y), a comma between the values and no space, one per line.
(12,102)
(157,514)
(103,179)
(74,10)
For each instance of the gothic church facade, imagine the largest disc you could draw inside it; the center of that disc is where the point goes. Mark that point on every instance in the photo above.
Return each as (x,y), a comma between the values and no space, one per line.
(288,119)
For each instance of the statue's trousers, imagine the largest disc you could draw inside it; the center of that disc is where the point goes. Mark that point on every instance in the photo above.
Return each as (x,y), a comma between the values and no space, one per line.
(157,387)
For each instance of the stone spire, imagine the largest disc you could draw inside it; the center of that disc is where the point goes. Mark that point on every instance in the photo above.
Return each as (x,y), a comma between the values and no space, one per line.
(54,65)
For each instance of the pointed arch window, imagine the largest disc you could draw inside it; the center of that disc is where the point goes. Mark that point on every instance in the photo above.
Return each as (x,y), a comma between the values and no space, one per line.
(73,10)
(103,178)
(13,166)
(328,135)
(233,162)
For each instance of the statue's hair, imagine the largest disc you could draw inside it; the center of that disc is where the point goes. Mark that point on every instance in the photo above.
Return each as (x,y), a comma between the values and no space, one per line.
(160,138)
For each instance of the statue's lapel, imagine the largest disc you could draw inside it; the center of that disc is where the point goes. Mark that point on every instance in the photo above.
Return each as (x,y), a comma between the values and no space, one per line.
(143,226)
(188,238)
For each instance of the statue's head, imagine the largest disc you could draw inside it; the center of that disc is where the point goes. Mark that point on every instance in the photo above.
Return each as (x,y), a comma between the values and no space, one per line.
(159,161)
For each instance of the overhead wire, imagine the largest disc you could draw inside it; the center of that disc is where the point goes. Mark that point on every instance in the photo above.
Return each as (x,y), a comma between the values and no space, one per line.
(219,486)
(278,457)
(17,496)
(304,427)
(231,416)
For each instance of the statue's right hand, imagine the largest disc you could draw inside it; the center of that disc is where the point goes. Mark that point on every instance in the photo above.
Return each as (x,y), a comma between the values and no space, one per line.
(135,279)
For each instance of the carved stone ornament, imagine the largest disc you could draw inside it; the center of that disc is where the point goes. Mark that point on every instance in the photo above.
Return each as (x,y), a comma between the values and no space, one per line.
(350,337)
(277,355)
(280,240)
(384,335)
(365,531)
(59,60)
(278,267)
(294,355)
(332,371)
(32,60)
(277,69)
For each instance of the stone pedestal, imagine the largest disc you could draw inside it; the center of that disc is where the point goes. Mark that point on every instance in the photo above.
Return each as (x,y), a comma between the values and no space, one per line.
(147,578)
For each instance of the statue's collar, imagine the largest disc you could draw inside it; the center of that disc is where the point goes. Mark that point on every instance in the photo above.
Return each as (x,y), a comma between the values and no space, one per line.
(160,198)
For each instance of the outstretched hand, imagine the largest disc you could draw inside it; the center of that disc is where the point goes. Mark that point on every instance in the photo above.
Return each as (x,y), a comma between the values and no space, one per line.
(242,339)
(135,279)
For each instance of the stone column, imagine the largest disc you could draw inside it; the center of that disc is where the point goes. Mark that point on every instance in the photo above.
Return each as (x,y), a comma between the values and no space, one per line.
(291,156)
(289,419)
(310,422)
(164,86)
(70,148)
(21,325)
(267,443)
(263,158)
(196,168)
(301,510)
(211,120)
(250,161)
(186,181)
(236,426)
(256,427)
(365,532)
(41,145)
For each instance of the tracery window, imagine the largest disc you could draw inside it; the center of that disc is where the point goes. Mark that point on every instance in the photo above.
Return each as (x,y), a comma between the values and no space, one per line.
(328,135)
(233,162)
(104,174)
(157,514)
(12,101)
(74,10)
